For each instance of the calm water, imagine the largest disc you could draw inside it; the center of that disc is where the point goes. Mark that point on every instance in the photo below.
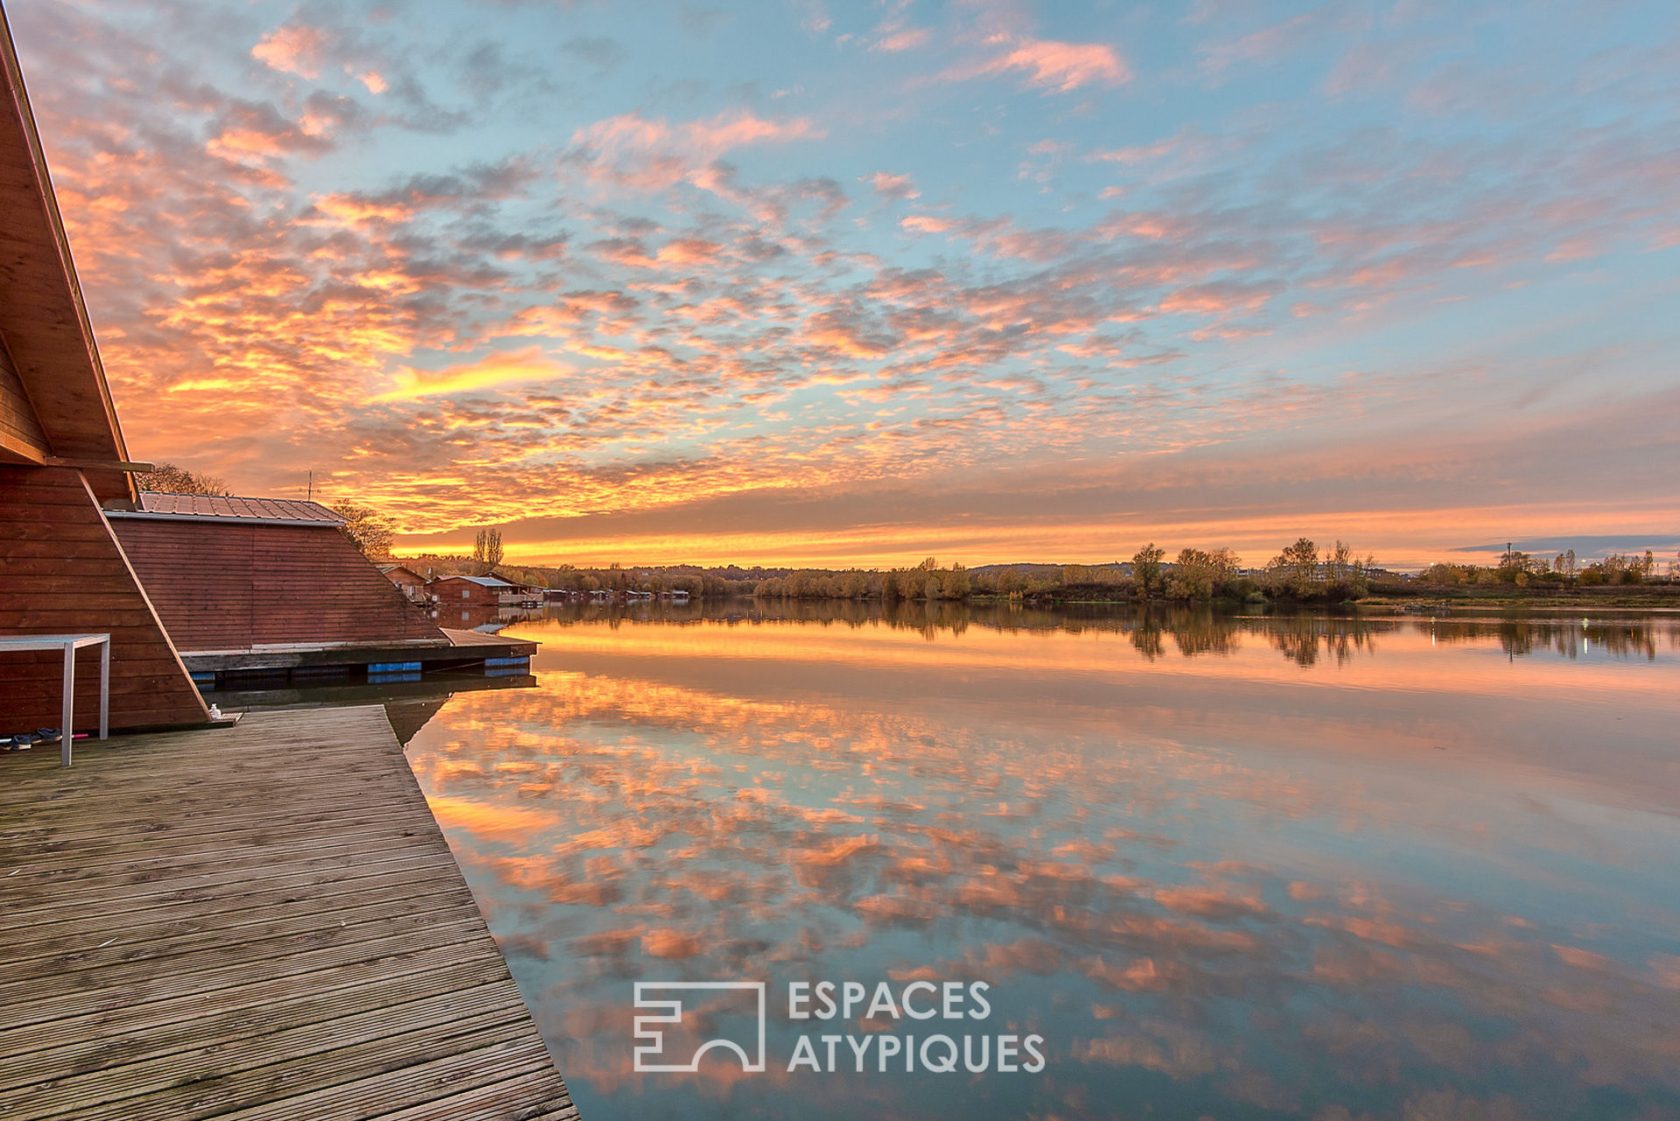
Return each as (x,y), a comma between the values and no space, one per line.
(1226,868)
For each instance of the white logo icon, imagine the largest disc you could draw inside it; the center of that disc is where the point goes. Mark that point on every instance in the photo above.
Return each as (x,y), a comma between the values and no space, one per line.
(650,1035)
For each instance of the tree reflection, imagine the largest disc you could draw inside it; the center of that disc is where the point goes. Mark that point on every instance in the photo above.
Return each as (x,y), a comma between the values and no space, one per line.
(1305,638)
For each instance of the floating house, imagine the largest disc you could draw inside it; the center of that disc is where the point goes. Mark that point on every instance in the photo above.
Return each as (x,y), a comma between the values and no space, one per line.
(62,459)
(189,588)
(474,591)
(412,584)
(260,588)
(241,575)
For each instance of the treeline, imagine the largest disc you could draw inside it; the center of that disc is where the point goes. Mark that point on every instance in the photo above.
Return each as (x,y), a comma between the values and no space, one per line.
(698,583)
(926,581)
(1522,570)
(1300,573)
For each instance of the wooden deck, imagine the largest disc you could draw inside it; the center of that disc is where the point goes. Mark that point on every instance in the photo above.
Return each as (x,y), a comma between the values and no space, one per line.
(513,646)
(451,649)
(257,922)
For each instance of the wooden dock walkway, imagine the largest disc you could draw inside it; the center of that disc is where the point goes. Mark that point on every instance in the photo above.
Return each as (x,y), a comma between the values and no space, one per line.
(256,922)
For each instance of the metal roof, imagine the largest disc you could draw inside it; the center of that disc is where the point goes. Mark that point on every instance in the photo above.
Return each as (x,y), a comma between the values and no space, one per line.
(482,581)
(215,507)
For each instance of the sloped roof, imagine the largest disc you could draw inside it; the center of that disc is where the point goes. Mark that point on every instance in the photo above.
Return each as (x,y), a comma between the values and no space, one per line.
(42,320)
(481,581)
(286,511)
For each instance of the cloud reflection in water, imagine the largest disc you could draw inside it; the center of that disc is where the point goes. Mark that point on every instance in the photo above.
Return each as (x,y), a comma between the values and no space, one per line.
(1251,868)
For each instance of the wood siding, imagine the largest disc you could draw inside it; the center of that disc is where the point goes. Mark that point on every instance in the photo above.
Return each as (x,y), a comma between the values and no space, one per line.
(449,592)
(62,572)
(403,578)
(224,585)
(20,433)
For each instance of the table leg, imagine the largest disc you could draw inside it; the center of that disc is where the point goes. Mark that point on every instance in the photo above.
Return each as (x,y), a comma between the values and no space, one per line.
(69,717)
(105,690)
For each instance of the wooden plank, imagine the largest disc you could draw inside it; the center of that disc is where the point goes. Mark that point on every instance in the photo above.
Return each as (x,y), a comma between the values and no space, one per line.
(191,1029)
(83,948)
(245,939)
(484,1005)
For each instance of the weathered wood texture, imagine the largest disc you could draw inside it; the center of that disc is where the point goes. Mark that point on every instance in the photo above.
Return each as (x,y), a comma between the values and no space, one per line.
(262,922)
(21,438)
(62,572)
(452,591)
(226,585)
(506,645)
(42,320)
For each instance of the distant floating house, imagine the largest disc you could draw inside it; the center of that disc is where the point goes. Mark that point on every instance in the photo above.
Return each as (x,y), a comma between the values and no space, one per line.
(473,591)
(248,575)
(410,582)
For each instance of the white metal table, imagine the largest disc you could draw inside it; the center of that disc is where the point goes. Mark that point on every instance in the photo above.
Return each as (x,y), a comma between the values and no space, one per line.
(70,643)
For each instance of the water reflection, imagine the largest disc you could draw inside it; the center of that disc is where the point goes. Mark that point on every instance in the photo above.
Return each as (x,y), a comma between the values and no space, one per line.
(1302,637)
(1303,866)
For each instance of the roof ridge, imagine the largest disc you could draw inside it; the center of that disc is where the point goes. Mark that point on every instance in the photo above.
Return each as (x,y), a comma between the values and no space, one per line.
(240,497)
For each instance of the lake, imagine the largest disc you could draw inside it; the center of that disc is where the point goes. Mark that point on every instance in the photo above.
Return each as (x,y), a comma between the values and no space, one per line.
(1222,867)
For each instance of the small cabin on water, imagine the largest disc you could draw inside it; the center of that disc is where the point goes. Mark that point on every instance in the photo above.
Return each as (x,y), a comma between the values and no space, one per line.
(240,575)
(472,591)
(410,582)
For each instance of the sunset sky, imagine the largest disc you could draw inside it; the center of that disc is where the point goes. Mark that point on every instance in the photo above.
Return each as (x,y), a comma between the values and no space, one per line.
(824,283)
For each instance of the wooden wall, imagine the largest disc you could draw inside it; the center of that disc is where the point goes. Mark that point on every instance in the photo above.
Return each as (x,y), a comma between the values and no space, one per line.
(62,572)
(20,431)
(224,585)
(449,594)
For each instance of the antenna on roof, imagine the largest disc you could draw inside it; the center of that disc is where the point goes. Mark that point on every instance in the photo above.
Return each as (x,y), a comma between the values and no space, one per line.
(310,496)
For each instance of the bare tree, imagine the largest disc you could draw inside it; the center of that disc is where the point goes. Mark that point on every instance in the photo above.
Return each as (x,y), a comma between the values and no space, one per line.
(1296,568)
(370,530)
(487,549)
(1146,568)
(167,478)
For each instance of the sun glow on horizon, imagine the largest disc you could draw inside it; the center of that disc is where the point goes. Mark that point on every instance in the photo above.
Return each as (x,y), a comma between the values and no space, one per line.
(860,289)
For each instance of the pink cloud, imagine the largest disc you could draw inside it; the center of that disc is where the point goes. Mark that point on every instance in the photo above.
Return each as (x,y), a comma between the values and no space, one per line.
(926,224)
(903,39)
(652,153)
(892,186)
(711,136)
(293,49)
(1218,298)
(689,251)
(1055,66)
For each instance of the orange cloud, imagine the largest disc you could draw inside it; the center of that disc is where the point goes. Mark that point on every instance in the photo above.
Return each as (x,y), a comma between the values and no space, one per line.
(294,48)
(492,372)
(926,223)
